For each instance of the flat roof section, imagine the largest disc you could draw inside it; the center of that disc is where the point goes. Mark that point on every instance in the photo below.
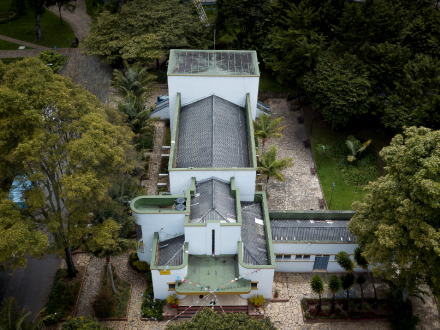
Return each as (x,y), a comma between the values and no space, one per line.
(311,231)
(213,201)
(211,274)
(253,234)
(212,134)
(213,63)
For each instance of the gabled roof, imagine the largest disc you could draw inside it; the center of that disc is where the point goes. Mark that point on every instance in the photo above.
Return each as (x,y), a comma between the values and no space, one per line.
(170,252)
(213,201)
(212,134)
(253,234)
(311,230)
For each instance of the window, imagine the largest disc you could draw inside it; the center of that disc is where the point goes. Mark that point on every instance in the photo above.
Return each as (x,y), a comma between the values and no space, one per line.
(302,257)
(287,256)
(278,257)
(283,257)
(171,286)
(213,242)
(298,257)
(307,257)
(254,285)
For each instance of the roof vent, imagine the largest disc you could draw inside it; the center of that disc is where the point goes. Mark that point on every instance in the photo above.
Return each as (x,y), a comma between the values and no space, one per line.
(180,200)
(180,207)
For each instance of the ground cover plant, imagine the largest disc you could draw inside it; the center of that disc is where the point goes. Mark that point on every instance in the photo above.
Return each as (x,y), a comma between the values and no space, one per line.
(64,294)
(84,323)
(109,304)
(141,266)
(151,308)
(309,307)
(52,32)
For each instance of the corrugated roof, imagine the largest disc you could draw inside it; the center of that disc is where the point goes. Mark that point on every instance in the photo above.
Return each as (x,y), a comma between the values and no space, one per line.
(253,234)
(170,252)
(213,201)
(212,133)
(311,230)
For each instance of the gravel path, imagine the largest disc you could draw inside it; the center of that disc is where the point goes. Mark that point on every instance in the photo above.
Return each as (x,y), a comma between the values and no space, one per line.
(301,190)
(90,287)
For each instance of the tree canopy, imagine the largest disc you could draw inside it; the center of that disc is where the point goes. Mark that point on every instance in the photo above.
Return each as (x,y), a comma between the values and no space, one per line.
(59,136)
(145,30)
(398,223)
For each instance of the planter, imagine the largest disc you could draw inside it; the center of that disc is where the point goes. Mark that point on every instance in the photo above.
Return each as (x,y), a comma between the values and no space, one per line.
(275,296)
(135,271)
(174,306)
(257,306)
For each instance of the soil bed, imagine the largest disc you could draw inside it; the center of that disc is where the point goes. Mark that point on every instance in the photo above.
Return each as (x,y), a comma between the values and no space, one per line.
(310,311)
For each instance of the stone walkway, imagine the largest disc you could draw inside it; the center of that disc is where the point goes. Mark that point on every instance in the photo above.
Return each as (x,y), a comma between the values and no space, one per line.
(155,158)
(301,190)
(90,287)
(78,20)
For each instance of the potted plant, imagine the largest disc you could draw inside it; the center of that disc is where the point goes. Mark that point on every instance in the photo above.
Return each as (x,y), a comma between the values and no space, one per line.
(257,301)
(172,300)
(276,293)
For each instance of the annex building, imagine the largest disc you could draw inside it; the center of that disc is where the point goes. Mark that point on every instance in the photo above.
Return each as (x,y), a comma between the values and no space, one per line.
(213,231)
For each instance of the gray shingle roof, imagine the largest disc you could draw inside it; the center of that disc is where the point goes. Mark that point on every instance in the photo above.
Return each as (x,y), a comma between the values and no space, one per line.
(212,133)
(170,252)
(311,230)
(213,201)
(253,235)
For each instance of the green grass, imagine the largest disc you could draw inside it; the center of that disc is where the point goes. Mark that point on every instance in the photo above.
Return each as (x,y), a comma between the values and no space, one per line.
(11,60)
(91,8)
(52,32)
(269,83)
(344,194)
(6,45)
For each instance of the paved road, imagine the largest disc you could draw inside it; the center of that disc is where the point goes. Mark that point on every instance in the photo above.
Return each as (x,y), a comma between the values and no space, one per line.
(30,285)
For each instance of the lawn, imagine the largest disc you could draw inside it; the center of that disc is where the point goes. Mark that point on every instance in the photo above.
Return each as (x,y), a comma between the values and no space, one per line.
(11,60)
(269,83)
(344,194)
(52,32)
(6,45)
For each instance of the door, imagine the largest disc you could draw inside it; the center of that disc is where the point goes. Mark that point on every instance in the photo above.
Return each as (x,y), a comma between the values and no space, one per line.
(321,262)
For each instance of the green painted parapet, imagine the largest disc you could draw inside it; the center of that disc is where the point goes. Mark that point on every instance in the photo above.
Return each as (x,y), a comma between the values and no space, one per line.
(311,215)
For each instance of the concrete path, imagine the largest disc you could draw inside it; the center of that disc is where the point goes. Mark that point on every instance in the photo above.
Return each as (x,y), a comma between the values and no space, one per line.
(22,43)
(35,52)
(31,285)
(79,20)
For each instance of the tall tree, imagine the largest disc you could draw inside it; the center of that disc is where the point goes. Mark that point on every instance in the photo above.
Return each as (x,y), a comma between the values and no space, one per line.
(38,6)
(270,167)
(145,30)
(67,148)
(334,285)
(344,260)
(265,128)
(398,223)
(347,282)
(318,286)
(360,279)
(363,263)
(69,5)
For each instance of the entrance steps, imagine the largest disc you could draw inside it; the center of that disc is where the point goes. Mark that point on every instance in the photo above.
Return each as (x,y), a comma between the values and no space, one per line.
(227,309)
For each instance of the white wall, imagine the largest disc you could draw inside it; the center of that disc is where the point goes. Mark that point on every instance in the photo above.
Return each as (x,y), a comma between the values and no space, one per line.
(151,223)
(244,179)
(264,277)
(160,282)
(163,113)
(200,239)
(233,89)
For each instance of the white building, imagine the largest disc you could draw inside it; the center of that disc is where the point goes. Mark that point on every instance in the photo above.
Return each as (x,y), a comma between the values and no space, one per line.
(215,232)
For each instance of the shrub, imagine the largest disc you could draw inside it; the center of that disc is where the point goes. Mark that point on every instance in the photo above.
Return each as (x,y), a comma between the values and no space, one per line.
(142,266)
(60,297)
(7,17)
(104,304)
(83,323)
(132,257)
(352,304)
(172,299)
(257,300)
(366,307)
(338,310)
(152,308)
(54,60)
(313,311)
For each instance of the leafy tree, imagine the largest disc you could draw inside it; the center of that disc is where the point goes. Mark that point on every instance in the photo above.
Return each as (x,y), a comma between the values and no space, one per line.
(361,280)
(347,282)
(133,78)
(38,6)
(60,137)
(339,88)
(20,237)
(145,30)
(364,264)
(318,286)
(344,260)
(398,223)
(266,128)
(414,100)
(356,147)
(270,167)
(11,318)
(207,319)
(243,20)
(334,285)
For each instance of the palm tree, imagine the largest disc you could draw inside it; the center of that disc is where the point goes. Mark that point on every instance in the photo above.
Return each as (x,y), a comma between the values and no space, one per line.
(318,286)
(364,264)
(13,319)
(361,280)
(347,282)
(266,128)
(138,116)
(270,167)
(343,259)
(356,147)
(134,78)
(334,285)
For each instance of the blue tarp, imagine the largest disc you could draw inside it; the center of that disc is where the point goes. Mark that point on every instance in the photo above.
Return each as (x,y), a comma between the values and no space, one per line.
(18,187)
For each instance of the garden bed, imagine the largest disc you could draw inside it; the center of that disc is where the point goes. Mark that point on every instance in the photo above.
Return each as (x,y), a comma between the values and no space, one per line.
(64,296)
(109,306)
(310,312)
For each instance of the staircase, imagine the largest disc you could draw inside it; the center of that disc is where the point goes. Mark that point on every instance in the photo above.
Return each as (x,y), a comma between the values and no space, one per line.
(227,309)
(200,10)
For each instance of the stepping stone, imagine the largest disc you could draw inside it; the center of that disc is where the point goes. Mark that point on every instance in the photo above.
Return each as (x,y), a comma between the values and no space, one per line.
(22,47)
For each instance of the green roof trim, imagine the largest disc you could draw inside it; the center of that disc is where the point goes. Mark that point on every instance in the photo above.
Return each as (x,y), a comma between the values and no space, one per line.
(206,273)
(151,204)
(154,256)
(175,134)
(311,215)
(251,136)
